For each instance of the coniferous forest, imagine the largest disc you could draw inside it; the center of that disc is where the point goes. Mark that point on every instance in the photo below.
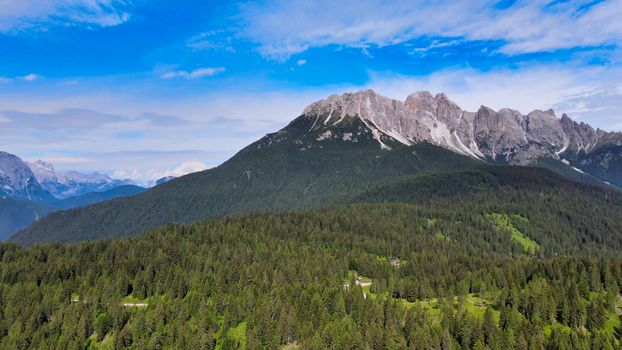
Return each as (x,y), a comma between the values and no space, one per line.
(310,175)
(528,265)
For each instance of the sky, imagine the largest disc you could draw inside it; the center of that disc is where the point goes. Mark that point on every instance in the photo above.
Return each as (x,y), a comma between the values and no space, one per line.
(143,89)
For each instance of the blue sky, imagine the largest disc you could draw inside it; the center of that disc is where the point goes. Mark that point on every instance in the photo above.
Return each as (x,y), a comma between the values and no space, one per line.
(143,89)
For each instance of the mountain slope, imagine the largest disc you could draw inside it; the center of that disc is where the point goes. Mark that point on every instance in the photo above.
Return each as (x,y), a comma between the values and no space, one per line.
(17,181)
(504,136)
(96,197)
(557,213)
(28,191)
(287,170)
(15,215)
(335,150)
(18,214)
(276,281)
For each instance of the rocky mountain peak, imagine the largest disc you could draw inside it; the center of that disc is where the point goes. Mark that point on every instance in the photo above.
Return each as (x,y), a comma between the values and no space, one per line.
(18,181)
(13,171)
(44,172)
(366,104)
(486,134)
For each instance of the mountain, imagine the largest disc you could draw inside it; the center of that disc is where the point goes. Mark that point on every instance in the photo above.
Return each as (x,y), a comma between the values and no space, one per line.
(72,183)
(265,176)
(504,136)
(164,179)
(570,216)
(337,149)
(417,246)
(17,181)
(28,190)
(18,214)
(96,197)
(533,261)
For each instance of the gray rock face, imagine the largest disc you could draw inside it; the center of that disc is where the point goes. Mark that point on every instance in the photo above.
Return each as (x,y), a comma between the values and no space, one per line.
(500,136)
(72,183)
(18,181)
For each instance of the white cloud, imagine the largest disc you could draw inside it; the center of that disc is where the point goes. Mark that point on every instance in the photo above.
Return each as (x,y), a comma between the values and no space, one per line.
(148,177)
(366,52)
(181,170)
(195,74)
(31,77)
(301,62)
(126,136)
(286,27)
(62,161)
(19,15)
(213,40)
(210,127)
(588,94)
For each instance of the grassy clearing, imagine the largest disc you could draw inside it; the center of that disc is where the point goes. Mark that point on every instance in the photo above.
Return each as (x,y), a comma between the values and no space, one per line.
(611,324)
(503,222)
(106,344)
(130,299)
(548,329)
(441,235)
(614,321)
(473,304)
(519,218)
(237,334)
(431,222)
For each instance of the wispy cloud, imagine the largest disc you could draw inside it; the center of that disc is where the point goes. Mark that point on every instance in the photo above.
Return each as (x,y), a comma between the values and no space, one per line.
(195,74)
(213,40)
(84,119)
(205,129)
(63,119)
(31,77)
(283,28)
(588,94)
(182,169)
(211,126)
(20,15)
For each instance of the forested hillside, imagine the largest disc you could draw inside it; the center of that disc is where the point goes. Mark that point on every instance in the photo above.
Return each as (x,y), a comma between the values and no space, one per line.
(18,214)
(96,197)
(307,164)
(459,279)
(259,178)
(566,216)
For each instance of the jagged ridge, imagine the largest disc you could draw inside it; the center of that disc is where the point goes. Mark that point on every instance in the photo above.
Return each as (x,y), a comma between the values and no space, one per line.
(504,135)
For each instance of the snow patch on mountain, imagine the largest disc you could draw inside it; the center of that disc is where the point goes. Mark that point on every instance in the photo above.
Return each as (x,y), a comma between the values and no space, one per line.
(18,181)
(72,183)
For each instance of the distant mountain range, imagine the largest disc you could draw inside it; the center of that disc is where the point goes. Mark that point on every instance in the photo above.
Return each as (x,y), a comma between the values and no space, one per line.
(346,145)
(18,181)
(72,183)
(29,191)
